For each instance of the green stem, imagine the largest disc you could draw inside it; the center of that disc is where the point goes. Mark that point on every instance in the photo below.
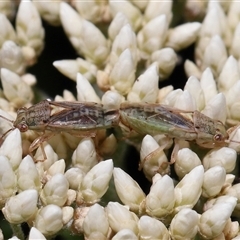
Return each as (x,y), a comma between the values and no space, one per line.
(17,231)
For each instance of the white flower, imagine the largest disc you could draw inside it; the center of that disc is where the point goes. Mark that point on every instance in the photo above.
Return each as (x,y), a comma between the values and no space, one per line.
(160,200)
(95,183)
(183,35)
(194,88)
(95,225)
(85,155)
(189,189)
(55,190)
(229,75)
(122,75)
(74,176)
(112,99)
(35,234)
(125,234)
(157,8)
(13,141)
(27,175)
(151,228)
(70,68)
(30,32)
(8,180)
(125,39)
(213,221)
(166,59)
(85,91)
(6,30)
(145,88)
(186,161)
(208,85)
(49,220)
(191,69)
(152,36)
(184,225)
(22,207)
(224,157)
(15,89)
(80,32)
(49,11)
(116,24)
(120,217)
(128,190)
(132,13)
(153,158)
(213,181)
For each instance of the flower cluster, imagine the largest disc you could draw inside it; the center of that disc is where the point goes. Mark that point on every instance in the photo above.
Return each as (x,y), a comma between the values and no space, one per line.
(125,63)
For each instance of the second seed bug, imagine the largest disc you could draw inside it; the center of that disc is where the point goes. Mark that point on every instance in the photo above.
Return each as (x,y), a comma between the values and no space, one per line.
(78,119)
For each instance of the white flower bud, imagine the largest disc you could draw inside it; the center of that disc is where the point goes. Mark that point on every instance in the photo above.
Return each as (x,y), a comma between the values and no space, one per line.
(11,57)
(234,49)
(185,101)
(29,27)
(145,89)
(216,108)
(51,157)
(120,217)
(35,234)
(112,99)
(6,30)
(27,175)
(234,191)
(215,55)
(93,11)
(189,189)
(186,161)
(166,59)
(95,183)
(213,221)
(85,91)
(12,142)
(8,181)
(194,88)
(157,8)
(70,68)
(85,155)
(80,34)
(49,11)
(55,190)
(229,75)
(68,213)
(122,75)
(232,97)
(213,181)
(74,177)
(172,97)
(132,13)
(160,200)
(152,36)
(151,228)
(22,207)
(153,158)
(163,92)
(233,15)
(49,220)
(208,85)
(108,146)
(224,157)
(125,234)
(126,39)
(95,225)
(191,69)
(116,24)
(15,89)
(128,190)
(183,35)
(184,225)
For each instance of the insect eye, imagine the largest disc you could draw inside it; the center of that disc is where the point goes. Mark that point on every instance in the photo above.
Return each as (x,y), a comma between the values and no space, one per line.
(23,128)
(218,137)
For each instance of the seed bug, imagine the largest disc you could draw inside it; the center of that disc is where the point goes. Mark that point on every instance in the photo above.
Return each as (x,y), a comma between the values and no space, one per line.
(156,119)
(78,119)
